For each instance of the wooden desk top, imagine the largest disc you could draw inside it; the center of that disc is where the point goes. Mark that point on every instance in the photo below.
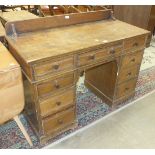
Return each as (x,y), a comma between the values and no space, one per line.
(43,44)
(16,15)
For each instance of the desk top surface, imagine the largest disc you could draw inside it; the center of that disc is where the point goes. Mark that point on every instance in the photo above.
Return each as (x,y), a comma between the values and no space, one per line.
(37,45)
(17,15)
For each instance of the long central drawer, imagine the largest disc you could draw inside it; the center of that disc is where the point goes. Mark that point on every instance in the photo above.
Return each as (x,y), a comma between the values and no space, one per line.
(99,54)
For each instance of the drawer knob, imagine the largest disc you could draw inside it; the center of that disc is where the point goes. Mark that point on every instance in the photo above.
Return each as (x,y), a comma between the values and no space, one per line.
(56,66)
(58,103)
(112,51)
(57,86)
(133,60)
(129,73)
(126,88)
(60,121)
(91,57)
(135,44)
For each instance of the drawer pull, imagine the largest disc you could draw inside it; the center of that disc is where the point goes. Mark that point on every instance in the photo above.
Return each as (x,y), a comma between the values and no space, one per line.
(133,60)
(112,51)
(135,44)
(60,122)
(126,89)
(129,73)
(58,103)
(91,57)
(56,67)
(57,86)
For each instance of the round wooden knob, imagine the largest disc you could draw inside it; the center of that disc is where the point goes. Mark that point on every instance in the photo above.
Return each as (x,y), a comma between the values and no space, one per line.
(58,103)
(92,57)
(56,66)
(60,121)
(126,88)
(133,60)
(112,51)
(135,44)
(129,73)
(57,86)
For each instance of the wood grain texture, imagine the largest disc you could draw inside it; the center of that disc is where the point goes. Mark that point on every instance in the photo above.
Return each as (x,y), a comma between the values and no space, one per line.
(39,45)
(57,21)
(132,59)
(100,54)
(57,103)
(135,42)
(133,14)
(128,73)
(52,53)
(103,78)
(142,16)
(16,15)
(51,86)
(125,88)
(54,66)
(59,121)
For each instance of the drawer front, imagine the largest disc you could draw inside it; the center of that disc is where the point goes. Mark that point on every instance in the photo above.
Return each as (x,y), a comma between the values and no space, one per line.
(100,54)
(128,73)
(59,121)
(57,103)
(132,59)
(50,86)
(53,66)
(126,88)
(135,42)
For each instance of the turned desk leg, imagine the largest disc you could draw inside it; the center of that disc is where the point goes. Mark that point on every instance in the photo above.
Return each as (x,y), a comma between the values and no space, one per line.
(20,125)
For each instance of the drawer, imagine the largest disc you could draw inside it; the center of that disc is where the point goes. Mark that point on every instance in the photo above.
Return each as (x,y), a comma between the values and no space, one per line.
(53,66)
(128,73)
(135,42)
(59,121)
(126,88)
(57,103)
(132,59)
(99,54)
(50,86)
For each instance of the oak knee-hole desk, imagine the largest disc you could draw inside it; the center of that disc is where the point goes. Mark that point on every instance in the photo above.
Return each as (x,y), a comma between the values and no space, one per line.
(53,51)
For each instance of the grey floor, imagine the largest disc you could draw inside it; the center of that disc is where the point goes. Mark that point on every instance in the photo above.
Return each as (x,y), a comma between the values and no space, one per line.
(132,127)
